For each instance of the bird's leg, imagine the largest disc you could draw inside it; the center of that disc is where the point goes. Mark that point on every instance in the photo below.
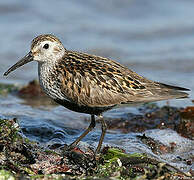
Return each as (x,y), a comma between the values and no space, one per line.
(104,128)
(91,126)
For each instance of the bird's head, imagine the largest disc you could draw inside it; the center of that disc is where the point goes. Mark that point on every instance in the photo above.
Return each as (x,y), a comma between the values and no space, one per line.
(44,49)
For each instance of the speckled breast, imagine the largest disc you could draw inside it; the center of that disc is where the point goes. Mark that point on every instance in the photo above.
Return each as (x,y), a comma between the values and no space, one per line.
(48,79)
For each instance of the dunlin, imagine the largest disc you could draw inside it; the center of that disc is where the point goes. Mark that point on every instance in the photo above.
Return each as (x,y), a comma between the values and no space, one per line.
(90,84)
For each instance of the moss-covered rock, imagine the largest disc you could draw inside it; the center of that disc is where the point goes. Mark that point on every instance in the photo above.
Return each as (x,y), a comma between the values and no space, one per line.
(20,158)
(15,151)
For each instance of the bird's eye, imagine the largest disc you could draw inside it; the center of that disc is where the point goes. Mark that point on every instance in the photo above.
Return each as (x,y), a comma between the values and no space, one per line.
(46,46)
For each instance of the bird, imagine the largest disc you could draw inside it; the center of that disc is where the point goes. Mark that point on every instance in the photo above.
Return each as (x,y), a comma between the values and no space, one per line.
(90,84)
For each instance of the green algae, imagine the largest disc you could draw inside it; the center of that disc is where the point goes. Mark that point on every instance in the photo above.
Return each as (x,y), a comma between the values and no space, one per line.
(6,175)
(119,165)
(114,159)
(119,153)
(8,88)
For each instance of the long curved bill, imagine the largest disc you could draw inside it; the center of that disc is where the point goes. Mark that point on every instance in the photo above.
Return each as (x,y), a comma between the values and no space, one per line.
(26,59)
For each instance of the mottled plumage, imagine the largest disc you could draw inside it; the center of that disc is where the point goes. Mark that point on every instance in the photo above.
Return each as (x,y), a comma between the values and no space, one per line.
(91,84)
(96,81)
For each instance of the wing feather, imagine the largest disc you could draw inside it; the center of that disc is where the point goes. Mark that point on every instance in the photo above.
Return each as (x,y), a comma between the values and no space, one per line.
(96,81)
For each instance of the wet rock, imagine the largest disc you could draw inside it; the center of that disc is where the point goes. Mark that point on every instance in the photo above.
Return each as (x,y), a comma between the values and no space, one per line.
(74,162)
(33,95)
(15,150)
(186,125)
(156,146)
(21,156)
(154,117)
(31,90)
(25,159)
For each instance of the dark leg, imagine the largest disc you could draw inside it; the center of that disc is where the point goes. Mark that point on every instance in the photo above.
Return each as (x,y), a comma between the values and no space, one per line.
(91,126)
(103,127)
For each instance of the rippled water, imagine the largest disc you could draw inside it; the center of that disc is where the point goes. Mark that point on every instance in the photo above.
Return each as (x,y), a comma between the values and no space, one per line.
(154,38)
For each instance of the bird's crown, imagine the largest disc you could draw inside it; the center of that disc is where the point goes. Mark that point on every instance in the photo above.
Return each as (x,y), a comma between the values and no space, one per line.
(44,37)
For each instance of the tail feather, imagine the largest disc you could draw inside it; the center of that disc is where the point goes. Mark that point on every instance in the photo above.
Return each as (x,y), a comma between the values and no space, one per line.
(173,91)
(162,92)
(165,92)
(174,87)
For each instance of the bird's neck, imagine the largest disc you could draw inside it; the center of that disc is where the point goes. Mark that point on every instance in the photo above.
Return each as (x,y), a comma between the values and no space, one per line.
(45,68)
(48,78)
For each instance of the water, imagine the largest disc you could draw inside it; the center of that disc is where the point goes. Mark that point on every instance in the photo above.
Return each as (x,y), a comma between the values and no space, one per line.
(154,38)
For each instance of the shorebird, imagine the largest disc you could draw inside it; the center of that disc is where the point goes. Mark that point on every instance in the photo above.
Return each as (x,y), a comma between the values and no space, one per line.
(90,84)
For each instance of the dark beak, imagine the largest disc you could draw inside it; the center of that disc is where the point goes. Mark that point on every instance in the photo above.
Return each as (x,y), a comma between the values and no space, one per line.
(26,59)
